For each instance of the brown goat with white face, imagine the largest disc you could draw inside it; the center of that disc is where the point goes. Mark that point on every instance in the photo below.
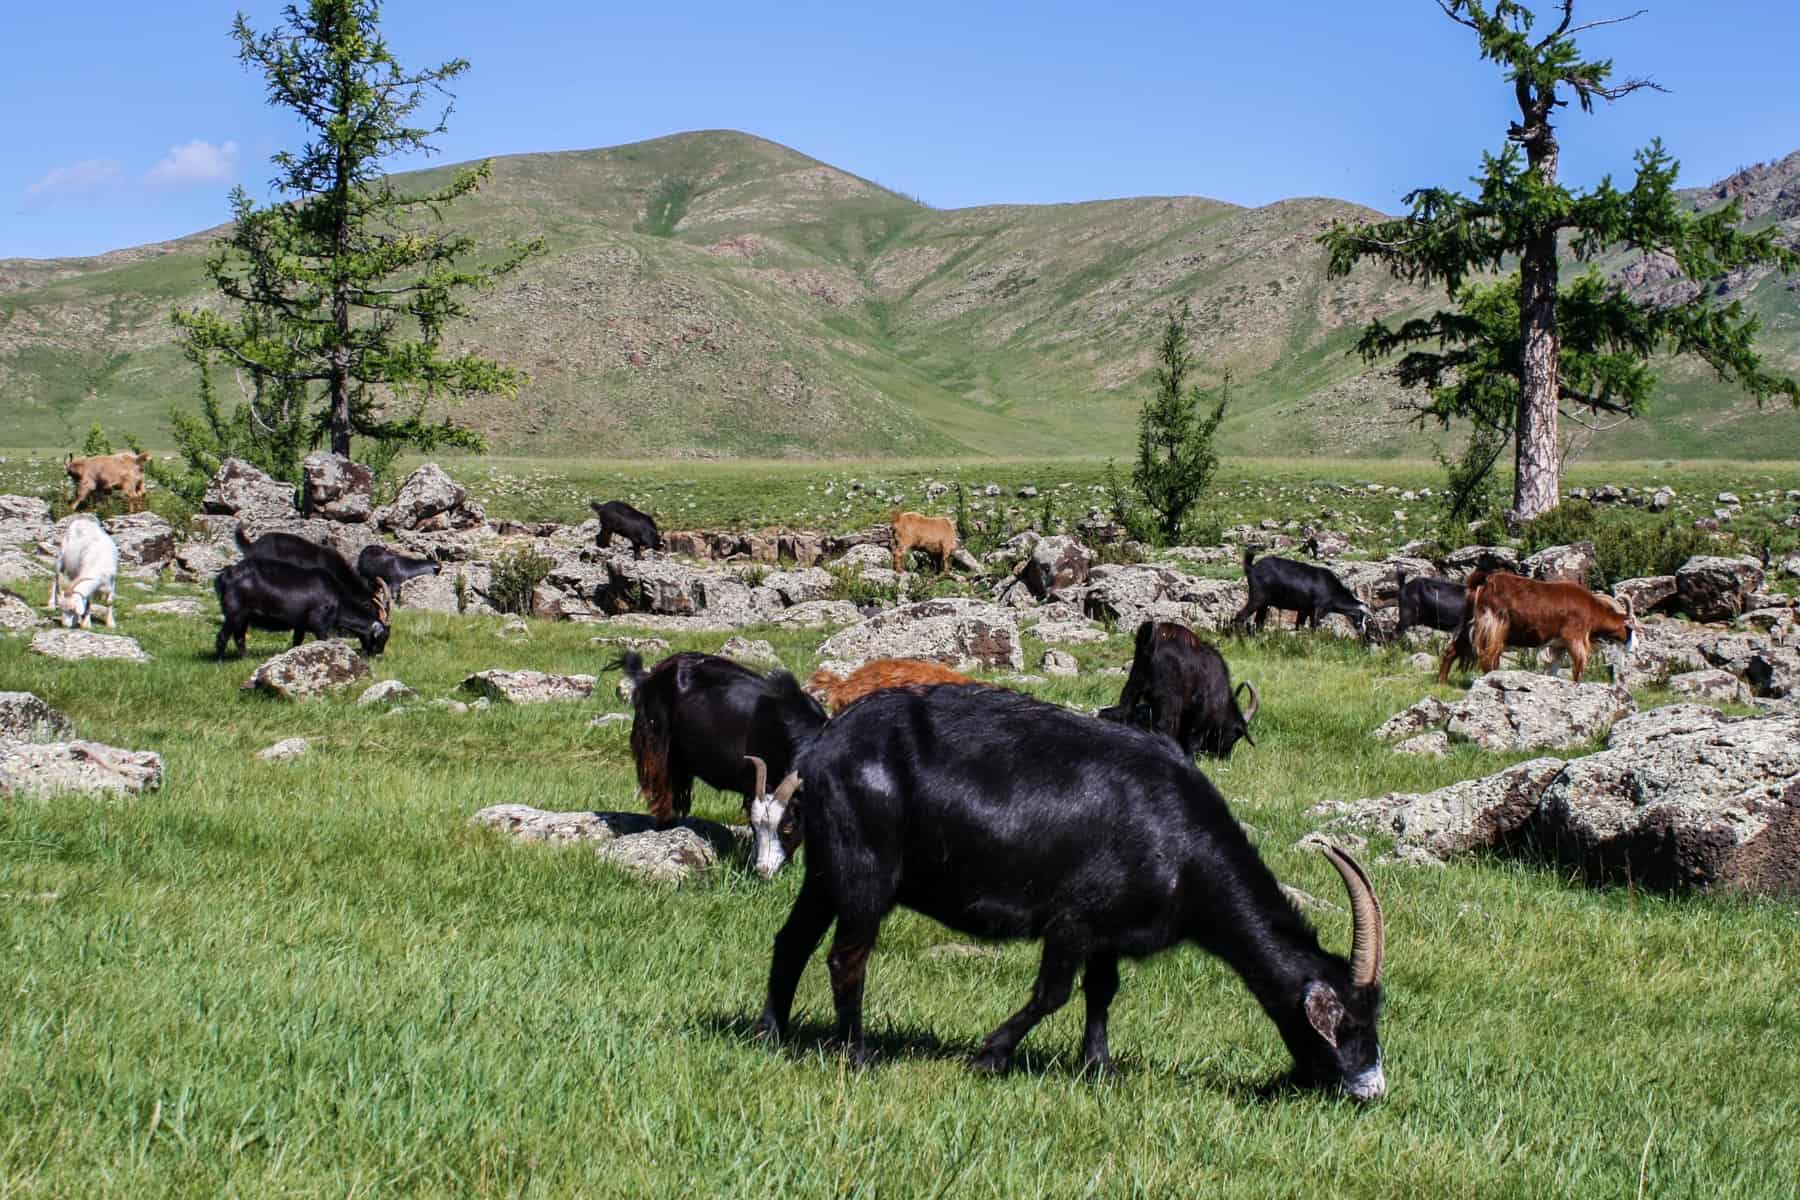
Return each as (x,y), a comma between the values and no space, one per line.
(916,531)
(1509,610)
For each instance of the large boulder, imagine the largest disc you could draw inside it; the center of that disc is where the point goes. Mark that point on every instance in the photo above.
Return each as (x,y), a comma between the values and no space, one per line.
(961,634)
(529,687)
(1713,808)
(26,718)
(1056,562)
(20,567)
(24,508)
(1712,588)
(1521,710)
(659,585)
(1574,563)
(660,855)
(309,670)
(333,487)
(1683,797)
(1647,594)
(83,643)
(144,539)
(802,586)
(239,489)
(459,589)
(1458,563)
(59,768)
(197,561)
(430,500)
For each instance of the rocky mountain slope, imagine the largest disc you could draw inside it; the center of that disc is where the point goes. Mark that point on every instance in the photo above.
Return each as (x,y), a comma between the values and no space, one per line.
(715,293)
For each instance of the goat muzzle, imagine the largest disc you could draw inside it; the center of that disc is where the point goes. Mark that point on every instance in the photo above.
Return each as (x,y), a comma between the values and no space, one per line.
(1368,932)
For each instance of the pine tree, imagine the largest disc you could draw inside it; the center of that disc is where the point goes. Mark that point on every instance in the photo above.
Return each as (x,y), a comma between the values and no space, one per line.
(343,287)
(1176,459)
(1515,355)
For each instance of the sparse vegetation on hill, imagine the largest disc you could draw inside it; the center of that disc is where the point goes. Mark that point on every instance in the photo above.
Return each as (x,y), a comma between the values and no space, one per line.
(797,310)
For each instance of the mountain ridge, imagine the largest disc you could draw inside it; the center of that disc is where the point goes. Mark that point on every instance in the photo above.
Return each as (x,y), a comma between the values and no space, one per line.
(716,293)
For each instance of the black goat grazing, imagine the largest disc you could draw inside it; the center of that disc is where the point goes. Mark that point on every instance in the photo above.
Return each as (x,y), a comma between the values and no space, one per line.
(1312,592)
(266,593)
(636,527)
(1180,686)
(1003,816)
(696,716)
(296,551)
(380,562)
(1435,603)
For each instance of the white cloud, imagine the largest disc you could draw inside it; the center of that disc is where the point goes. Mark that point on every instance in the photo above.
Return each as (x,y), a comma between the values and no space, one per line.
(195,162)
(89,175)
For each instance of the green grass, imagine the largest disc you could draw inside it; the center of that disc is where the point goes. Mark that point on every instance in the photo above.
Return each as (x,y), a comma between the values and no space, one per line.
(314,977)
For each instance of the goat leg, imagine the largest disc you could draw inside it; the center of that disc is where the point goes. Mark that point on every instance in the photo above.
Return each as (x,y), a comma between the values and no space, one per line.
(1055,980)
(794,945)
(1099,983)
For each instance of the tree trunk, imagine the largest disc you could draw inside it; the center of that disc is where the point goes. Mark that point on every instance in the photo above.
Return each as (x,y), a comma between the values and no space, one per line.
(1537,465)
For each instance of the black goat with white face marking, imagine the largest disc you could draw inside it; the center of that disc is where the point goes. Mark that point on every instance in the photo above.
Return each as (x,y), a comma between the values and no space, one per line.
(697,716)
(1180,686)
(1005,817)
(1314,593)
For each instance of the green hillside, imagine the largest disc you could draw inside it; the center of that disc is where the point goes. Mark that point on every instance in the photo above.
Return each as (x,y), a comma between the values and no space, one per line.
(717,294)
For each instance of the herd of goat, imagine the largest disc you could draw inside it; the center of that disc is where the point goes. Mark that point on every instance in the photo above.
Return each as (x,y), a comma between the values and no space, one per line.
(994,813)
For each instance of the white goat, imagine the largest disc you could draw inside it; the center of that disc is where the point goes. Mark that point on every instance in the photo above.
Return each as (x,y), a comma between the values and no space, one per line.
(89,560)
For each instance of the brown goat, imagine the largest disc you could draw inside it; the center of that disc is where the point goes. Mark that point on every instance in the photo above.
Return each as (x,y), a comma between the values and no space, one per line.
(1509,610)
(916,531)
(838,692)
(121,472)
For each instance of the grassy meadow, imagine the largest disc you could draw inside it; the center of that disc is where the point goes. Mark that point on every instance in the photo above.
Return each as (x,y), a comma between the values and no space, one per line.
(315,977)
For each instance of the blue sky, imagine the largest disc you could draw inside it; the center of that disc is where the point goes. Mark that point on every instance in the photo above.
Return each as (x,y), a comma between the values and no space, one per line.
(129,122)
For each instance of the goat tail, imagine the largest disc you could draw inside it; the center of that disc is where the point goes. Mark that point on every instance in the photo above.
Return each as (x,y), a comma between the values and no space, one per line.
(1141,644)
(1487,637)
(630,662)
(652,746)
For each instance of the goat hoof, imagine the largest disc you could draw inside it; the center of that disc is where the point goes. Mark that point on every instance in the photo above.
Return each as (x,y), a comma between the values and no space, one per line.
(767,1029)
(1099,1069)
(992,1062)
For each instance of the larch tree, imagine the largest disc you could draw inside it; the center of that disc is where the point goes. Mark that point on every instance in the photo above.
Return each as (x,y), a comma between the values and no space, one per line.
(1520,350)
(1176,459)
(342,287)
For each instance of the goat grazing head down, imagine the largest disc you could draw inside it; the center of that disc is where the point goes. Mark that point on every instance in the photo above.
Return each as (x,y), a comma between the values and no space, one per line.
(1006,817)
(1507,610)
(1180,685)
(774,827)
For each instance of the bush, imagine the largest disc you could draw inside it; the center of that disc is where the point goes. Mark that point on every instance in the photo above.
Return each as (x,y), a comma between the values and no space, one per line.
(516,574)
(848,584)
(1626,544)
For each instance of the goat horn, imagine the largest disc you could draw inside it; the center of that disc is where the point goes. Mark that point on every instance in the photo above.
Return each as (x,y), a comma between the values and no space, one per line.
(1255,702)
(788,787)
(1368,933)
(762,775)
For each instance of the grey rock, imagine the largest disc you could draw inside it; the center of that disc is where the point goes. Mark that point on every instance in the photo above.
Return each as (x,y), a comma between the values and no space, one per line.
(802,586)
(1574,563)
(612,718)
(1774,673)
(1476,814)
(1711,588)
(1648,593)
(309,670)
(1458,563)
(81,643)
(529,687)
(16,612)
(1060,663)
(1716,808)
(1429,713)
(429,500)
(25,508)
(143,538)
(1707,685)
(1521,710)
(514,629)
(336,488)
(1435,744)
(660,856)
(1671,720)
(960,633)
(198,561)
(1068,632)
(17,566)
(284,750)
(1662,499)
(388,691)
(1056,562)
(26,718)
(438,593)
(239,489)
(746,650)
(815,613)
(642,645)
(46,769)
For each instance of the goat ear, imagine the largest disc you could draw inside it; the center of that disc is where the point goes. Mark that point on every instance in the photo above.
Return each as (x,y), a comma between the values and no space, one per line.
(1324,1011)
